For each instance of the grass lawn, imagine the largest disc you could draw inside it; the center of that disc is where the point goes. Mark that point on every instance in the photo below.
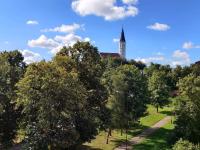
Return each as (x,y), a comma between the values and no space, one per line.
(158,140)
(150,119)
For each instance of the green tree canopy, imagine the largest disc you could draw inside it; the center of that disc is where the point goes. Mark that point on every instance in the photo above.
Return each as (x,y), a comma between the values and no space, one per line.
(84,59)
(159,90)
(12,69)
(128,94)
(50,98)
(187,124)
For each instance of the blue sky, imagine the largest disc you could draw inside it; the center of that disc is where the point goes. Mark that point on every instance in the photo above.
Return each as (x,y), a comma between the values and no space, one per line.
(162,31)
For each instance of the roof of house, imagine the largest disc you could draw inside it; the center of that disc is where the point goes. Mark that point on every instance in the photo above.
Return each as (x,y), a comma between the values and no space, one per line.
(198,62)
(105,55)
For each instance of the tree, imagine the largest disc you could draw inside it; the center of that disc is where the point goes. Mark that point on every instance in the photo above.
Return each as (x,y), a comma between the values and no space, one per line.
(128,95)
(185,145)
(187,109)
(179,73)
(51,97)
(159,89)
(85,60)
(116,62)
(12,69)
(140,65)
(196,69)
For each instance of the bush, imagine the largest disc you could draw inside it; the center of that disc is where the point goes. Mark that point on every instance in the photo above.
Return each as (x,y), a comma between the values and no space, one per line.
(185,145)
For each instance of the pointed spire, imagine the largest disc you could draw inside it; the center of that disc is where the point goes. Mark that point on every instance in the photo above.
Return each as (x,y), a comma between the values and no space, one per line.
(122,38)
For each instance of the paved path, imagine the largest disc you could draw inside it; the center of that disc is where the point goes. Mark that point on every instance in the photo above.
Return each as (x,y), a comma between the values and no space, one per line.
(141,137)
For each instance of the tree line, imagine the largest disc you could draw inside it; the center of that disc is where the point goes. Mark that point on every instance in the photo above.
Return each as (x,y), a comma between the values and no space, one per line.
(62,103)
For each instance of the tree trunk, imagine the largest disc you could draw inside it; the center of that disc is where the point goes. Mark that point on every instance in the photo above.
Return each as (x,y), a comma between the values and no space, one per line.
(157,108)
(121,132)
(109,133)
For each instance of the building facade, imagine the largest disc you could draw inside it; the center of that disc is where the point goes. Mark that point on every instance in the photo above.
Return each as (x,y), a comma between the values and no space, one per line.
(122,48)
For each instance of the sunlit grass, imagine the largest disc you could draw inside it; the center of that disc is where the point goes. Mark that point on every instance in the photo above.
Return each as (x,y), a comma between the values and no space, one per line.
(150,119)
(158,140)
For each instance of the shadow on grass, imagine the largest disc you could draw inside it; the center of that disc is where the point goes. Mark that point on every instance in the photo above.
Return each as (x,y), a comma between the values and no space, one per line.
(168,113)
(85,147)
(135,130)
(120,142)
(157,141)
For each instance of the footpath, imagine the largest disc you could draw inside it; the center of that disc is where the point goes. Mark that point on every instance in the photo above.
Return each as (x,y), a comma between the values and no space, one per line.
(141,137)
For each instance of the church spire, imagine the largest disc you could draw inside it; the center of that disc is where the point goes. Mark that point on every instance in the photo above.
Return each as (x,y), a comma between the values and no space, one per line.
(122,38)
(122,45)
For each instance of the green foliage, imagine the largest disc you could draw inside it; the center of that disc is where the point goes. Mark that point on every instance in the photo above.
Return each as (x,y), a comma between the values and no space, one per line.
(179,73)
(165,69)
(158,88)
(195,69)
(185,145)
(187,109)
(50,98)
(84,59)
(116,62)
(11,70)
(127,95)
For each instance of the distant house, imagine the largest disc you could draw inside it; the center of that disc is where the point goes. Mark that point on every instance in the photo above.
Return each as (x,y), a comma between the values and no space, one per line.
(122,49)
(197,63)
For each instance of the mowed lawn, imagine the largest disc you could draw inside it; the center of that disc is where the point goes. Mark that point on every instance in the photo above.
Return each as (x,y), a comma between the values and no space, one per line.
(150,119)
(158,140)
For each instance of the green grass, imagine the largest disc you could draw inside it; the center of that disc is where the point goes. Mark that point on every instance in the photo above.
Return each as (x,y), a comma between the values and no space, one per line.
(150,119)
(158,140)
(153,117)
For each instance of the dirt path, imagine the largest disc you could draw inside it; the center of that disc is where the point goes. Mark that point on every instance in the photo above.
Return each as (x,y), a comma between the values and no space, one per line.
(141,137)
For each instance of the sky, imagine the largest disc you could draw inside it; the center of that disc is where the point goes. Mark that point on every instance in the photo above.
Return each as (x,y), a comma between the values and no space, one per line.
(159,31)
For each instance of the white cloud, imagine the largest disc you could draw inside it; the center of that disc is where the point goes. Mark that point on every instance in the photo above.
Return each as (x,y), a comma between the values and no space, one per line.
(32,22)
(180,54)
(69,39)
(43,42)
(30,57)
(130,1)
(190,45)
(148,60)
(159,27)
(87,39)
(65,28)
(55,44)
(107,9)
(115,40)
(180,58)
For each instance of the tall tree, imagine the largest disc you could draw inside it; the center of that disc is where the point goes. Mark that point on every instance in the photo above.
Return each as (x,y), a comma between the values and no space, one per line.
(85,60)
(51,97)
(128,95)
(187,110)
(159,89)
(12,69)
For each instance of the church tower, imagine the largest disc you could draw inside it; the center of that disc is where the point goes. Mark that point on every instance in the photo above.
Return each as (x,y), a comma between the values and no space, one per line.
(122,45)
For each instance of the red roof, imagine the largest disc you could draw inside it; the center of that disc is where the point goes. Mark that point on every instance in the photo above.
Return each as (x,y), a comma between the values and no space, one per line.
(113,55)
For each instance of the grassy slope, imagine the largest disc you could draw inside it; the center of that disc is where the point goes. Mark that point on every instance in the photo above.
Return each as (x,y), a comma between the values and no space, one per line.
(150,119)
(157,141)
